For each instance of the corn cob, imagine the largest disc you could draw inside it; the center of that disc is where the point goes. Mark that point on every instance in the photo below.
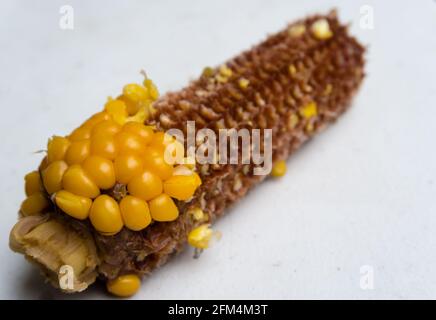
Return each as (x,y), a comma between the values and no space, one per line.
(106,217)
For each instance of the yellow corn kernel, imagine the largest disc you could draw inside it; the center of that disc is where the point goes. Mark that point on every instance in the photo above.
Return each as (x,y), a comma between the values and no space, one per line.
(225,71)
(52,176)
(321,29)
(135,92)
(107,127)
(77,181)
(127,166)
(76,206)
(297,30)
(129,142)
(243,83)
(81,133)
(78,152)
(197,214)
(309,110)
(155,162)
(33,183)
(145,132)
(124,286)
(163,208)
(207,72)
(34,204)
(152,89)
(146,186)
(181,187)
(279,169)
(135,213)
(105,215)
(118,110)
(101,171)
(96,119)
(200,236)
(57,148)
(104,146)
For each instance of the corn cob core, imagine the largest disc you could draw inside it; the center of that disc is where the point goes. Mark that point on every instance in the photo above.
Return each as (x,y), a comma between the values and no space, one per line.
(295,82)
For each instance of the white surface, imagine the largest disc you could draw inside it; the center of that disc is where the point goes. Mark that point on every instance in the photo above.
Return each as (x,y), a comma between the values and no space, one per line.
(362,193)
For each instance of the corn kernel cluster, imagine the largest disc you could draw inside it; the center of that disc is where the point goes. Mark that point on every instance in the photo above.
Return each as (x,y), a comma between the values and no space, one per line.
(110,149)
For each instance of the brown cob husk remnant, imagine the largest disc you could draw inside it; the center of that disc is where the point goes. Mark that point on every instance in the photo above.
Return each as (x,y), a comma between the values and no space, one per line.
(285,73)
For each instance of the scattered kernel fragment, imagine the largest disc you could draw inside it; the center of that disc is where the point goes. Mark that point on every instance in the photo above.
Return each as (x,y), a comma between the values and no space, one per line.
(321,29)
(243,83)
(124,286)
(225,71)
(200,236)
(197,214)
(292,121)
(309,110)
(297,30)
(292,70)
(279,169)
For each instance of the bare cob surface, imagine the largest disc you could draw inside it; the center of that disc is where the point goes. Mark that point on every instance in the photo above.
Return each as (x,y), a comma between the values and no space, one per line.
(295,82)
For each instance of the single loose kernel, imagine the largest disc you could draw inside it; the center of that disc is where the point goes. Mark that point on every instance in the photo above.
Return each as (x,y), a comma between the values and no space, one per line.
(197,214)
(78,152)
(107,127)
(297,30)
(135,213)
(321,29)
(34,204)
(104,146)
(200,236)
(279,169)
(76,206)
(101,171)
(118,110)
(33,183)
(124,286)
(77,181)
(57,148)
(309,110)
(163,208)
(180,187)
(243,83)
(128,166)
(52,176)
(105,215)
(145,132)
(146,186)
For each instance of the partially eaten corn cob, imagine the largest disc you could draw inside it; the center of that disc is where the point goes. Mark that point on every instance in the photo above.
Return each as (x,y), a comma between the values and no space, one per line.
(106,202)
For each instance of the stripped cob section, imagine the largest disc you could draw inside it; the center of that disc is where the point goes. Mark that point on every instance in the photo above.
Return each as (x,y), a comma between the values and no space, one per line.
(295,82)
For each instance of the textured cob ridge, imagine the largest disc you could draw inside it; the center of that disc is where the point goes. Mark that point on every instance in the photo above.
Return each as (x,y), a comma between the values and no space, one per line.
(295,82)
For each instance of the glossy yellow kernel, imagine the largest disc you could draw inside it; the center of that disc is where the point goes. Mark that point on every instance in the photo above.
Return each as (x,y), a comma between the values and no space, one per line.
(101,171)
(225,71)
(163,208)
(33,183)
(135,92)
(57,148)
(243,83)
(129,142)
(152,89)
(155,162)
(81,133)
(135,213)
(309,110)
(200,236)
(118,110)
(104,146)
(52,176)
(95,119)
(107,127)
(180,187)
(78,152)
(145,186)
(105,215)
(127,166)
(321,29)
(279,169)
(124,286)
(132,107)
(77,181)
(145,132)
(34,204)
(76,206)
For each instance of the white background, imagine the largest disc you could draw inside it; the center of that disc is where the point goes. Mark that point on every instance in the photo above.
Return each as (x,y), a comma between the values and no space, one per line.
(362,193)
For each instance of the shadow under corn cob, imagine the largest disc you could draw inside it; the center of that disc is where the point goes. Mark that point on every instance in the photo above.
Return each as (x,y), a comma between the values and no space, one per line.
(295,82)
(285,73)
